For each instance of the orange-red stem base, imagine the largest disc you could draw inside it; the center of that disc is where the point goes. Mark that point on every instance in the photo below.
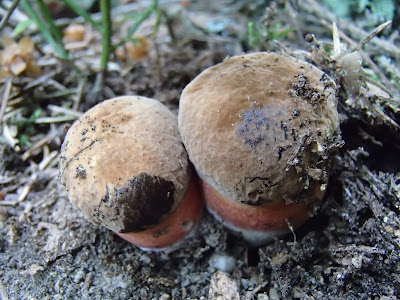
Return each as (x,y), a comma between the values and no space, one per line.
(257,224)
(175,228)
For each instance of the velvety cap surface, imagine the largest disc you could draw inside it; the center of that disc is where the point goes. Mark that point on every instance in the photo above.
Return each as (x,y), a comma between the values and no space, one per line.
(259,127)
(124,165)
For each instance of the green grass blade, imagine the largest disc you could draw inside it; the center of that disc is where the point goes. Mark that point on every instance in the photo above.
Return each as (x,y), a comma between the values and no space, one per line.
(58,49)
(135,26)
(105,7)
(49,21)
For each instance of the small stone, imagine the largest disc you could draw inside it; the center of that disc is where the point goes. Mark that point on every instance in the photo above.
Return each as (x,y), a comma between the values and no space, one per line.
(222,287)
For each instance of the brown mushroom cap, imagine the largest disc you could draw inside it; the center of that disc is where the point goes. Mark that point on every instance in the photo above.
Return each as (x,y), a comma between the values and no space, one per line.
(259,127)
(124,165)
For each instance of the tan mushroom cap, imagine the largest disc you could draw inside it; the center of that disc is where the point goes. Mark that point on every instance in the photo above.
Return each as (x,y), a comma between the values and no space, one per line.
(124,165)
(259,127)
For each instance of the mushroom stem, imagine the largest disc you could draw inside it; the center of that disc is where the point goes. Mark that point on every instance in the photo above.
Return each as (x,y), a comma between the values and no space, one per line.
(258,224)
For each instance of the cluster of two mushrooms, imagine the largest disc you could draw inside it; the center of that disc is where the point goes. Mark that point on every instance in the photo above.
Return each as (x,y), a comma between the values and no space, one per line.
(258,129)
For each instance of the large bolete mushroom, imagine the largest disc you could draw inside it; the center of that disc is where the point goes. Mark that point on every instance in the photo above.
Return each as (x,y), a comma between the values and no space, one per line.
(260,129)
(124,165)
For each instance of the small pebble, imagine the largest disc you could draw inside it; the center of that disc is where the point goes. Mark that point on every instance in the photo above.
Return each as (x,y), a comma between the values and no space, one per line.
(222,262)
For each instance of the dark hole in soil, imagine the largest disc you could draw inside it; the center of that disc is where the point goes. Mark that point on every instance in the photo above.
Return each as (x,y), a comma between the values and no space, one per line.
(378,142)
(316,223)
(253,258)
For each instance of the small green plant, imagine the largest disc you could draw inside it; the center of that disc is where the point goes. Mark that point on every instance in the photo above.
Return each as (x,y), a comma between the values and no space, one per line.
(40,15)
(259,34)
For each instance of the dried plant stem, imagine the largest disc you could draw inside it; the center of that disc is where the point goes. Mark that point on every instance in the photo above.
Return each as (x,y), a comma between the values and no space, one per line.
(371,35)
(4,101)
(324,15)
(365,57)
(8,14)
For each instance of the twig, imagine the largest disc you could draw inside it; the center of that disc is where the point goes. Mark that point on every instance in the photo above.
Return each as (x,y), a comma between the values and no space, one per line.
(8,14)
(4,101)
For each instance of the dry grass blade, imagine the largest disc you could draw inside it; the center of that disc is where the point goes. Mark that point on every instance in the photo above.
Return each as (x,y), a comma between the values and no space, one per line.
(27,187)
(365,57)
(47,159)
(336,41)
(371,35)
(47,139)
(324,15)
(58,119)
(39,81)
(65,111)
(9,13)
(4,100)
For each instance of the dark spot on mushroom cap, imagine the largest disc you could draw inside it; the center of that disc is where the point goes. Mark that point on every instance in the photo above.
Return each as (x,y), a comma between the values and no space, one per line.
(141,203)
(254,126)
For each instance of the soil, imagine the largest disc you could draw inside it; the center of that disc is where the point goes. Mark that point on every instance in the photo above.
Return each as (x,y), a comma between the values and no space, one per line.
(349,250)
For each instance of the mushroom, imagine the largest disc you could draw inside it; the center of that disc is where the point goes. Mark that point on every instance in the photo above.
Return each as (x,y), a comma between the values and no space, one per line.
(260,129)
(124,166)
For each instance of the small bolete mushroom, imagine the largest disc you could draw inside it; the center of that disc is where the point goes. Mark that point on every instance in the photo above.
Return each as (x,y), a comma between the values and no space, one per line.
(123,164)
(260,129)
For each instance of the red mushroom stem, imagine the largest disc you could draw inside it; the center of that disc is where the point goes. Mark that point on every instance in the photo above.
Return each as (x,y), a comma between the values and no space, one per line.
(175,228)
